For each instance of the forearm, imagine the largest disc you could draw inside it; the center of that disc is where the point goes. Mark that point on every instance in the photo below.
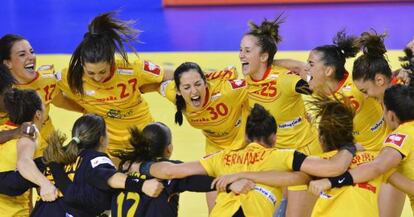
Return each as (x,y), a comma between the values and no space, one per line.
(366,172)
(27,168)
(195,184)
(277,178)
(402,183)
(295,66)
(7,135)
(64,102)
(167,170)
(332,167)
(117,181)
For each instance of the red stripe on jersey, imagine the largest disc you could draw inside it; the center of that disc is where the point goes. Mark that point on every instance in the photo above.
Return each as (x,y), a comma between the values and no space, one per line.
(368,186)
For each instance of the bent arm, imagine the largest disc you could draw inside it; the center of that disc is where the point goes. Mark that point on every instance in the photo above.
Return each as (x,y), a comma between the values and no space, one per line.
(387,159)
(297,67)
(277,178)
(402,183)
(334,166)
(167,170)
(62,101)
(7,135)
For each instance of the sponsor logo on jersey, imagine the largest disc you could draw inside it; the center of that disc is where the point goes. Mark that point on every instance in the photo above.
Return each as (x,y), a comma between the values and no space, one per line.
(377,125)
(151,67)
(163,87)
(235,84)
(125,71)
(89,92)
(396,139)
(268,194)
(290,124)
(101,160)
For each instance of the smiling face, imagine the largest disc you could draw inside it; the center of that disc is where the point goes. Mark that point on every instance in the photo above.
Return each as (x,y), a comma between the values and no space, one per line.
(98,72)
(317,70)
(22,62)
(192,88)
(373,88)
(251,56)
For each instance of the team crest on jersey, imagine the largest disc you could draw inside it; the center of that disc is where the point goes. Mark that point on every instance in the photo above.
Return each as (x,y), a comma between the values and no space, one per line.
(235,84)
(396,139)
(273,76)
(125,71)
(347,87)
(151,67)
(90,92)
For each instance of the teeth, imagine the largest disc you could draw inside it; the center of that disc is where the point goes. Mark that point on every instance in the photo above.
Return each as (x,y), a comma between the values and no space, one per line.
(308,78)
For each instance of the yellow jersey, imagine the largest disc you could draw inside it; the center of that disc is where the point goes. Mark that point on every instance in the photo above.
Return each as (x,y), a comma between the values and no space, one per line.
(223,116)
(370,129)
(45,85)
(359,200)
(402,139)
(12,205)
(263,199)
(3,117)
(277,93)
(118,100)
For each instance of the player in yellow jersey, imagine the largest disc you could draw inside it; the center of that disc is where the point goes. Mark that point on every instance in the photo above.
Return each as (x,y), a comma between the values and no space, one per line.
(108,87)
(6,82)
(398,146)
(280,92)
(218,107)
(23,106)
(18,55)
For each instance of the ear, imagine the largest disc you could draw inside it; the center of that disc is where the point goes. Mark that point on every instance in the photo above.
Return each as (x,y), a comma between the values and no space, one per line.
(38,115)
(329,72)
(393,117)
(8,64)
(379,79)
(264,57)
(168,150)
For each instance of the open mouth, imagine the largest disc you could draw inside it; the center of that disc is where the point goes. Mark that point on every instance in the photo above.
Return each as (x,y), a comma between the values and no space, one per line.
(29,68)
(196,101)
(245,67)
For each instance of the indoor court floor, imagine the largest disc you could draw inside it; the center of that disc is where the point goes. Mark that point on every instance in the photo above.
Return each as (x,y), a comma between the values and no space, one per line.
(209,36)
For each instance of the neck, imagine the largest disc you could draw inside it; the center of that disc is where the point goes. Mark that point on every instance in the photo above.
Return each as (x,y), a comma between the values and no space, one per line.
(260,73)
(330,86)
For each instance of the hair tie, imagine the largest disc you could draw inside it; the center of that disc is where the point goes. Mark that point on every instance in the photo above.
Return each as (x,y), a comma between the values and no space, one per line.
(76,140)
(342,51)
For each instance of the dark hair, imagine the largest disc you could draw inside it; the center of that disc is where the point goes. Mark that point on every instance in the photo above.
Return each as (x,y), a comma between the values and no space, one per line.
(408,64)
(86,134)
(267,35)
(22,104)
(149,144)
(106,35)
(400,100)
(334,118)
(6,79)
(373,60)
(260,125)
(179,100)
(6,44)
(335,55)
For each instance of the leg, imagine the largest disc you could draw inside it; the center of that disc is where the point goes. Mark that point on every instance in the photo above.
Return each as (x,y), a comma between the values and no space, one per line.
(300,203)
(211,200)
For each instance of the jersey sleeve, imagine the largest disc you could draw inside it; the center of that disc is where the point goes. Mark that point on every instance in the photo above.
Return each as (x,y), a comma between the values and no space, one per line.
(284,158)
(100,170)
(192,183)
(168,90)
(148,73)
(399,142)
(211,162)
(238,90)
(288,83)
(63,85)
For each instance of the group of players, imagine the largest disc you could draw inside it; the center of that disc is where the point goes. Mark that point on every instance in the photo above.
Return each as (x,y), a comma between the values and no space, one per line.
(355,129)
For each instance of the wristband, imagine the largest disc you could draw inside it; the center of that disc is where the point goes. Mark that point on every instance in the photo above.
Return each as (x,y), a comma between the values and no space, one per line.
(349,147)
(342,180)
(134,184)
(145,167)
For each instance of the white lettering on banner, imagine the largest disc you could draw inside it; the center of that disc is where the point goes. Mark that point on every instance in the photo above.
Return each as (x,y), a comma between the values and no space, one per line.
(268,194)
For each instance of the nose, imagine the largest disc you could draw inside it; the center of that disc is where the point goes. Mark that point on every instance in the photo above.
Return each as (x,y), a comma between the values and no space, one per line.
(97,78)
(32,56)
(241,54)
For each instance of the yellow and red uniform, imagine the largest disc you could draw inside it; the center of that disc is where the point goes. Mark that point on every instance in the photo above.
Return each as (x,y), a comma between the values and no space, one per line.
(276,91)
(223,116)
(118,100)
(16,206)
(370,129)
(263,200)
(360,200)
(45,85)
(402,139)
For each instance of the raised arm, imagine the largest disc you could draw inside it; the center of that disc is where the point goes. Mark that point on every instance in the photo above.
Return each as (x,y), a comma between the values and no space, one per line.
(295,66)
(27,168)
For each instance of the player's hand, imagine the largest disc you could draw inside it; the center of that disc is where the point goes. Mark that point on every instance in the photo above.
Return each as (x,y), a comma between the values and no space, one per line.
(316,187)
(48,192)
(222,181)
(242,186)
(29,130)
(152,187)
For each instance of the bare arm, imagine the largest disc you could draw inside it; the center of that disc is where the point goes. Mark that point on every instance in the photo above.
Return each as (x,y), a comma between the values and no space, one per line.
(334,166)
(270,178)
(61,101)
(402,183)
(167,170)
(297,67)
(28,169)
(7,135)
(387,159)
